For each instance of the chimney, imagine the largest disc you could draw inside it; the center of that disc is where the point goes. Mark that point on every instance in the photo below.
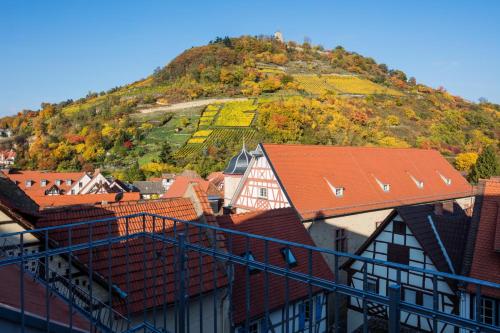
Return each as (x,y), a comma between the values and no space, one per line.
(438,208)
(448,206)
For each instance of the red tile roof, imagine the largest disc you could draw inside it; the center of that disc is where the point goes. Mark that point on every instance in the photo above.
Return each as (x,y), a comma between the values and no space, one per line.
(181,183)
(282,224)
(37,190)
(156,257)
(34,299)
(309,172)
(48,201)
(486,258)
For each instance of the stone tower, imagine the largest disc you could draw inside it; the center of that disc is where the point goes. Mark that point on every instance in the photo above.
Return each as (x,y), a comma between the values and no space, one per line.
(279,36)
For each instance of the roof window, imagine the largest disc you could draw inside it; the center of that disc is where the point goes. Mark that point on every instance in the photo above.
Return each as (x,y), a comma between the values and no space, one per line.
(58,182)
(445,179)
(69,181)
(29,183)
(289,257)
(385,187)
(337,191)
(419,183)
(249,256)
(44,182)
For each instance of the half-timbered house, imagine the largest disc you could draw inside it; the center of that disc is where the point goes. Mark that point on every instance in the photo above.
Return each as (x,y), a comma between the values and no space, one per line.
(428,236)
(342,193)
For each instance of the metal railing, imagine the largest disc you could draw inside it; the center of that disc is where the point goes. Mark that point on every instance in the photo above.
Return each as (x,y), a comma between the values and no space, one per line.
(160,274)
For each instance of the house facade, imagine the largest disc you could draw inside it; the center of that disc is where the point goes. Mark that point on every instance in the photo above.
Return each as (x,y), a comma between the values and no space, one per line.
(425,236)
(43,186)
(7,158)
(343,193)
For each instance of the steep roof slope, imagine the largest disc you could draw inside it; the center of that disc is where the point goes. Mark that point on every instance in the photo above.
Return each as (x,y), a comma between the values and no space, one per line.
(371,178)
(485,263)
(13,198)
(282,224)
(36,189)
(34,300)
(451,232)
(145,255)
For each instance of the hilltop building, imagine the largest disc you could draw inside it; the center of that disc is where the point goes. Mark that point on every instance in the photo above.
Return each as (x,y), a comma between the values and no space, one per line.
(5,132)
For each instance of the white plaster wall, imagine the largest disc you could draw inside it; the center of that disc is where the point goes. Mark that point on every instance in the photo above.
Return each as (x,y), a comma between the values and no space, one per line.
(230,185)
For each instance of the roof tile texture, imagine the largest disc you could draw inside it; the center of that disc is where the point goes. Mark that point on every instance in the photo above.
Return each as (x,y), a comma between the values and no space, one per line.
(282,224)
(150,263)
(486,260)
(306,170)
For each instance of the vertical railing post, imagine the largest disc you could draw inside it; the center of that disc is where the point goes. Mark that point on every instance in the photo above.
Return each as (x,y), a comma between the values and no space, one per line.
(394,311)
(182,288)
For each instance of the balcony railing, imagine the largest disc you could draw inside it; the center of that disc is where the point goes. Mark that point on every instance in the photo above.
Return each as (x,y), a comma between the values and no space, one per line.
(150,273)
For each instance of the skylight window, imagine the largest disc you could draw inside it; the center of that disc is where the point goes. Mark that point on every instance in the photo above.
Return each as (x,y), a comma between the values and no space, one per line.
(289,257)
(250,257)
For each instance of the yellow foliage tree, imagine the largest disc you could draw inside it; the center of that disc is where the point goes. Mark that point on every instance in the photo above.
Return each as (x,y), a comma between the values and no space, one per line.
(465,161)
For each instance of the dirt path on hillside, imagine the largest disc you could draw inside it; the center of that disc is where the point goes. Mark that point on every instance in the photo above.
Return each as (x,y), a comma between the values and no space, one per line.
(187,105)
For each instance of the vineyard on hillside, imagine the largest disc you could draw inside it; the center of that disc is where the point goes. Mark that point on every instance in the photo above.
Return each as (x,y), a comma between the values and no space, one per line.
(218,138)
(342,84)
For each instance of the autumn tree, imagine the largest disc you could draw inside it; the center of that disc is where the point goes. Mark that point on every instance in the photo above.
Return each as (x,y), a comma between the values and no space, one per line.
(487,165)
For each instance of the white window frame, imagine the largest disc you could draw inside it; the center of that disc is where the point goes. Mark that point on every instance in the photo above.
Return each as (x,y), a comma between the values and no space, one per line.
(263,193)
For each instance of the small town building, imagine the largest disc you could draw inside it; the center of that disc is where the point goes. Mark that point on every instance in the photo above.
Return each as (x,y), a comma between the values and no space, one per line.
(343,193)
(234,173)
(7,158)
(149,189)
(428,236)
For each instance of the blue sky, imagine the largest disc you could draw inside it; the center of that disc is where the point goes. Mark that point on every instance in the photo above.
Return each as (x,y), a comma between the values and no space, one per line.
(54,50)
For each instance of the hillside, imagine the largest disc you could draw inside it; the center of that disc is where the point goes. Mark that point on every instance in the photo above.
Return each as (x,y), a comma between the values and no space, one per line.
(272,91)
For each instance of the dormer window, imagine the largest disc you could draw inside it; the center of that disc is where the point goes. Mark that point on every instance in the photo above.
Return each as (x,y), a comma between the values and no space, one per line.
(249,256)
(385,187)
(289,257)
(337,191)
(44,182)
(445,179)
(419,183)
(29,183)
(69,182)
(58,182)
